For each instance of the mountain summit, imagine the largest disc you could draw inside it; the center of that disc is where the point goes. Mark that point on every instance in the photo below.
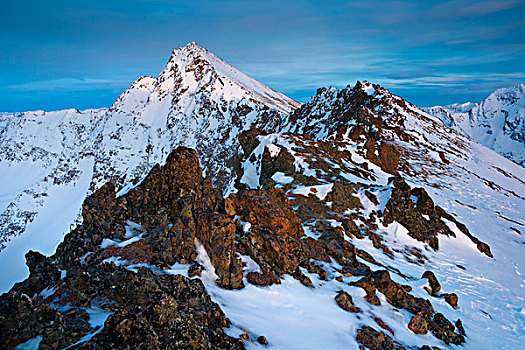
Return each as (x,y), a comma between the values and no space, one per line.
(198,101)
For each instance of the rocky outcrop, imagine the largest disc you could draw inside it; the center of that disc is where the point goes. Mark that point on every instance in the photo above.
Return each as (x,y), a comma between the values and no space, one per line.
(146,310)
(180,214)
(398,295)
(174,206)
(374,340)
(432,281)
(345,302)
(273,240)
(415,210)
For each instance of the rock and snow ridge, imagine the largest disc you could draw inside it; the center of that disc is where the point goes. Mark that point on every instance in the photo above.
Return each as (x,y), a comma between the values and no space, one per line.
(498,122)
(50,161)
(334,157)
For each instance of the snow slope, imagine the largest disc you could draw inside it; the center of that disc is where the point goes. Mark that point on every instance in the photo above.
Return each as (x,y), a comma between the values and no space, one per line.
(479,187)
(198,101)
(498,122)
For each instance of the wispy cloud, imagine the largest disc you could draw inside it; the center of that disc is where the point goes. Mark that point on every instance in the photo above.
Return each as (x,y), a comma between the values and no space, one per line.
(468,8)
(66,84)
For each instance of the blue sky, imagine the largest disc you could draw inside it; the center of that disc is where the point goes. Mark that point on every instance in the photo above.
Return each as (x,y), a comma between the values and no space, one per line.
(82,54)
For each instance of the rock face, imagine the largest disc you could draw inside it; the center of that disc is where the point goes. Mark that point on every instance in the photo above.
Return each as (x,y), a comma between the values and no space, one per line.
(175,207)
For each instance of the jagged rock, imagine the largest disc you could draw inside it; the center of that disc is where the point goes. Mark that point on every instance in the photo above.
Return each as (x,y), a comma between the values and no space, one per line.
(407,206)
(21,319)
(402,209)
(217,234)
(374,340)
(459,326)
(301,277)
(383,325)
(249,141)
(384,155)
(335,245)
(137,252)
(274,237)
(42,273)
(444,330)
(231,203)
(432,281)
(309,208)
(418,324)
(262,279)
(342,197)
(482,247)
(281,162)
(451,299)
(345,302)
(395,293)
(351,229)
(195,270)
(156,311)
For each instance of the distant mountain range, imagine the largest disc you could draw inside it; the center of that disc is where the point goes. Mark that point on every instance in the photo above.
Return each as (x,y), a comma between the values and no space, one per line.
(498,122)
(204,210)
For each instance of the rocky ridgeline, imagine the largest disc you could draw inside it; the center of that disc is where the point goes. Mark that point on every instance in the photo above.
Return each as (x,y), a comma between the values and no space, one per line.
(148,308)
(286,228)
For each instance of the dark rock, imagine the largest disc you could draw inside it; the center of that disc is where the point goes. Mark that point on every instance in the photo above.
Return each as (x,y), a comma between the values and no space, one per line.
(444,330)
(345,302)
(195,270)
(282,162)
(418,324)
(432,281)
(262,279)
(342,197)
(42,273)
(395,293)
(249,141)
(217,233)
(451,299)
(374,340)
(262,340)
(274,237)
(383,325)
(301,277)
(459,326)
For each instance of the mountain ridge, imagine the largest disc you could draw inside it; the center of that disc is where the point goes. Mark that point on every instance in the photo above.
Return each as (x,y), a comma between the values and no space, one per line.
(358,218)
(497,122)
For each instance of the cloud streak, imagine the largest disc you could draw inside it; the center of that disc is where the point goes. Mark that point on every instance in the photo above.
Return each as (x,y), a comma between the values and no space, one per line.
(433,52)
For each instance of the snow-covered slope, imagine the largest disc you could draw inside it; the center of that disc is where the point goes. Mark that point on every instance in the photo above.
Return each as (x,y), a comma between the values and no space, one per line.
(498,122)
(198,101)
(477,186)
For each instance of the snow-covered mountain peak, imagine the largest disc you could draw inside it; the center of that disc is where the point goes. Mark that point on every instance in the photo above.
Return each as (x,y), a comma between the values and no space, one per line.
(198,100)
(193,69)
(498,122)
(508,94)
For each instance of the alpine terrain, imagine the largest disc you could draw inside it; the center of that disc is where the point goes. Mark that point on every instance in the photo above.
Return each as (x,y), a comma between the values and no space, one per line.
(498,122)
(204,210)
